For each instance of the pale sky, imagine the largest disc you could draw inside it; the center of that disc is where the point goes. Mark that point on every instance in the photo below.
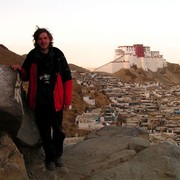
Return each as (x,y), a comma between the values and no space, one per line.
(89,31)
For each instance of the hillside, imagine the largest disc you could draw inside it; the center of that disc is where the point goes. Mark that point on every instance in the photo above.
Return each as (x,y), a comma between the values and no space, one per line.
(168,75)
(77,68)
(8,57)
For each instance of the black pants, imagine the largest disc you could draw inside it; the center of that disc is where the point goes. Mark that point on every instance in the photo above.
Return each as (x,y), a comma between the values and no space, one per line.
(50,126)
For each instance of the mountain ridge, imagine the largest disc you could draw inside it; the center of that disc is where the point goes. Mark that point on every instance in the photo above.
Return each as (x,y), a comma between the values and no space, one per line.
(169,74)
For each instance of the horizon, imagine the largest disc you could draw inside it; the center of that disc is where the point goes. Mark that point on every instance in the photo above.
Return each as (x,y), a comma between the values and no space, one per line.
(88,32)
(89,68)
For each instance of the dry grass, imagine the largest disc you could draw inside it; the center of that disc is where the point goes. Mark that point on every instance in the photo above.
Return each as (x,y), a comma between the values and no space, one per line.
(168,75)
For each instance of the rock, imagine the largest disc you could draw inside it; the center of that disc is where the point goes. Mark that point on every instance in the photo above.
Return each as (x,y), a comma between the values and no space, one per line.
(138,144)
(10,109)
(113,153)
(28,132)
(160,161)
(16,118)
(12,164)
(121,153)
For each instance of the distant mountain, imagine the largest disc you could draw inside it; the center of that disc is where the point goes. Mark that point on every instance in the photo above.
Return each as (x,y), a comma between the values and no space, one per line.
(169,74)
(8,57)
(78,69)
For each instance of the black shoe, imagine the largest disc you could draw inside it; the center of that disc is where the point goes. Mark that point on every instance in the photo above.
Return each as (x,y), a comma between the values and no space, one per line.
(58,162)
(51,166)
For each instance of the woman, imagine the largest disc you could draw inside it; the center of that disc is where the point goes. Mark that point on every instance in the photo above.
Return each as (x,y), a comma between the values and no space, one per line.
(49,92)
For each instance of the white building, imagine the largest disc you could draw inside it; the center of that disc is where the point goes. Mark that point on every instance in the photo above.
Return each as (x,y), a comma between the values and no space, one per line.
(89,100)
(89,121)
(139,55)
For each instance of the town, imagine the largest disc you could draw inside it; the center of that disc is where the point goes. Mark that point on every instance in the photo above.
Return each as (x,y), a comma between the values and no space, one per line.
(151,105)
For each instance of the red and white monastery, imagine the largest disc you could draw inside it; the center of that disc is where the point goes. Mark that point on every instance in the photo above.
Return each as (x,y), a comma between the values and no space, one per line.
(139,55)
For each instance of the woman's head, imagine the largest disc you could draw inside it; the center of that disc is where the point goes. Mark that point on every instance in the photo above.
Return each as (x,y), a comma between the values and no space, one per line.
(41,35)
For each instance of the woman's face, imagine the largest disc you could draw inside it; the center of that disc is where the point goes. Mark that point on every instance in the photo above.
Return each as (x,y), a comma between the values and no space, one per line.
(44,41)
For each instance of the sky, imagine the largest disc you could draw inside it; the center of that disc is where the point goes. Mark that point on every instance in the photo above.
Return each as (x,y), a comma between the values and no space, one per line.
(89,31)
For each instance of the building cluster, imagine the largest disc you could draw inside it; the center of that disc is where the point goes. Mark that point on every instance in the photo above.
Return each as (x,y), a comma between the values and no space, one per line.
(152,106)
(139,55)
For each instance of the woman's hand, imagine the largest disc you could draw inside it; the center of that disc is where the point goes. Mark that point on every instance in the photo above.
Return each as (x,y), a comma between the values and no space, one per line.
(67,107)
(15,67)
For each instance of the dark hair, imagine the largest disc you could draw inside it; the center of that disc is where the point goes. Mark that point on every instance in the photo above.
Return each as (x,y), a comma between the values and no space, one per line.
(38,32)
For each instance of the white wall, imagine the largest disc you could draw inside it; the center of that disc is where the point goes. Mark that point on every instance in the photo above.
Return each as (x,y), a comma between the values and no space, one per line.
(152,60)
(106,68)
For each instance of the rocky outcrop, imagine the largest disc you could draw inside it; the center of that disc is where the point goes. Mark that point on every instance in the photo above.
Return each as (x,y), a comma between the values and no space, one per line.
(12,164)
(114,152)
(10,108)
(111,153)
(121,153)
(16,118)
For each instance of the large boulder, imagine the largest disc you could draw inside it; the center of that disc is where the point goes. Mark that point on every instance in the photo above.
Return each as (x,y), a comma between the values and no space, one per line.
(122,153)
(10,108)
(114,152)
(16,118)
